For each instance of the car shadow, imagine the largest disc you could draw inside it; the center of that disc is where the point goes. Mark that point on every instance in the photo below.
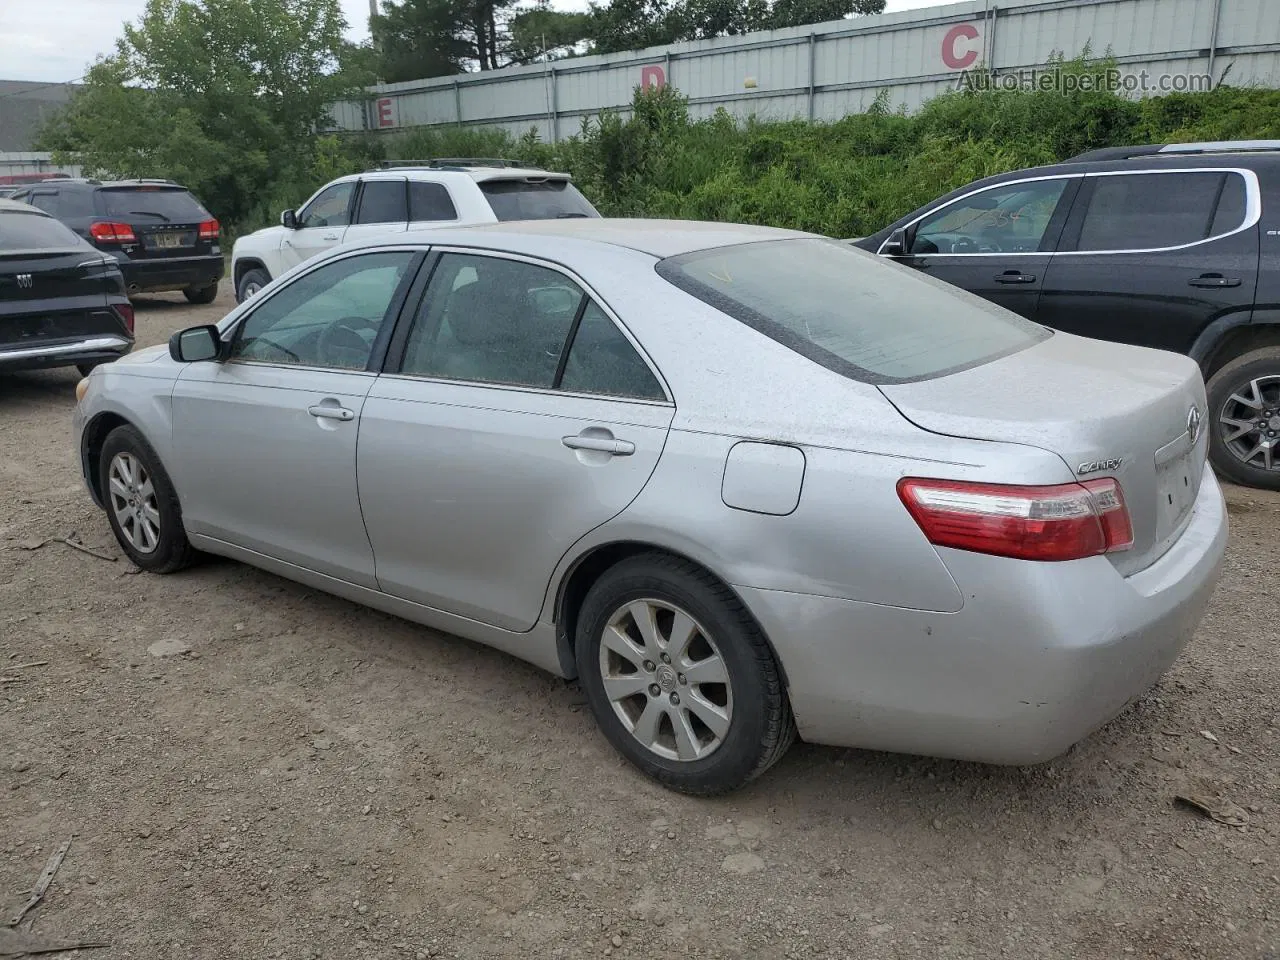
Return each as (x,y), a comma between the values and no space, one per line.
(22,386)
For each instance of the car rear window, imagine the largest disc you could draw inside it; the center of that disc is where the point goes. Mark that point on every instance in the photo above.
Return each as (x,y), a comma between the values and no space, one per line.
(851,311)
(535,199)
(34,231)
(155,204)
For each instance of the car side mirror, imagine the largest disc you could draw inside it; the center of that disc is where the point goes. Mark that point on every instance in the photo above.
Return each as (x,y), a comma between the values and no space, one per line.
(195,344)
(897,244)
(289,219)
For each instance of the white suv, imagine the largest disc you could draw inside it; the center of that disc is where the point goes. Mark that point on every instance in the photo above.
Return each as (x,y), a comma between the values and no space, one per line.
(402,196)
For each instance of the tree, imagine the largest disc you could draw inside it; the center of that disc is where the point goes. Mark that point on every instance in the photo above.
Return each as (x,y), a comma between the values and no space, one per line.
(224,96)
(542,33)
(435,38)
(634,24)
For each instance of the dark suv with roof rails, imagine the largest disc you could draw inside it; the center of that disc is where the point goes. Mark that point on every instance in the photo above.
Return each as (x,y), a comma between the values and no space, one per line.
(1174,246)
(160,234)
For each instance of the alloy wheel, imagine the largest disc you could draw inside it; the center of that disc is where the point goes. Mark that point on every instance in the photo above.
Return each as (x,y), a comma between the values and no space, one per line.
(133,501)
(1250,423)
(666,680)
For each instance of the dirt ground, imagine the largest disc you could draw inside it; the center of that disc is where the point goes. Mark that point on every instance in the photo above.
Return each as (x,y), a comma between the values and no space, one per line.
(249,769)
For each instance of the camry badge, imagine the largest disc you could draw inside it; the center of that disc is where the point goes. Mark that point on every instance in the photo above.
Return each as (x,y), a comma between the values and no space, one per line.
(1097,466)
(1193,424)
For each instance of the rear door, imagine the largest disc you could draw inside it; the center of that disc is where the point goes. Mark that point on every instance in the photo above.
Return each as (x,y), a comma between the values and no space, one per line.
(166,220)
(322,223)
(1153,257)
(382,207)
(995,242)
(515,416)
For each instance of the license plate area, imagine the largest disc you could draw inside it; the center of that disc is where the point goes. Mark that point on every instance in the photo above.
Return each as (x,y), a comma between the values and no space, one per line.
(168,240)
(1177,483)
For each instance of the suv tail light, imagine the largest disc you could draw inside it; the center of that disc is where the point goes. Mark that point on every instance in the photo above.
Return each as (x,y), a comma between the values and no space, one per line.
(108,231)
(1064,522)
(209,230)
(125,310)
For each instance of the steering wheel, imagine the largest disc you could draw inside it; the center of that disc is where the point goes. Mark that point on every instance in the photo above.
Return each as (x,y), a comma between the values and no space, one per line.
(341,338)
(964,245)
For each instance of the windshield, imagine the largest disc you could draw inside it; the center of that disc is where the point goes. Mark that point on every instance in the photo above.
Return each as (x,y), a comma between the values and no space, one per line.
(27,232)
(155,204)
(535,200)
(849,310)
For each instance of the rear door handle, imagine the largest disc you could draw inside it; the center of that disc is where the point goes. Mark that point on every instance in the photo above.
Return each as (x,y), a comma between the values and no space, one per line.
(619,448)
(1015,276)
(1214,280)
(330,411)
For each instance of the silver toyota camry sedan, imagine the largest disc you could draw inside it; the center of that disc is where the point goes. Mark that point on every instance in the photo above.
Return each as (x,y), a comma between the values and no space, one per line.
(744,484)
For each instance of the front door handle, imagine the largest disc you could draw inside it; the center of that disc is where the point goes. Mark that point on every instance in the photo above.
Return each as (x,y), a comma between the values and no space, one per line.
(329,411)
(1214,280)
(1015,276)
(619,448)
(330,236)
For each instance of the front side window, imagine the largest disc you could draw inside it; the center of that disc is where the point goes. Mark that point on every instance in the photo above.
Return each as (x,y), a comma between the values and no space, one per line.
(330,208)
(849,311)
(326,318)
(492,320)
(1004,219)
(382,201)
(1147,211)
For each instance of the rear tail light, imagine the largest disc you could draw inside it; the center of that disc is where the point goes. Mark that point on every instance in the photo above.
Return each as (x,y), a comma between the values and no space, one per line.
(209,230)
(1064,522)
(108,231)
(125,311)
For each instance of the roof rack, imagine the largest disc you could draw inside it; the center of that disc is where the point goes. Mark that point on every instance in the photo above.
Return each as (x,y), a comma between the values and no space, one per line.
(1179,150)
(443,163)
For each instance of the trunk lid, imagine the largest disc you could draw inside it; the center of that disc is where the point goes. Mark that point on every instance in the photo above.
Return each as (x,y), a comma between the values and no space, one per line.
(1108,410)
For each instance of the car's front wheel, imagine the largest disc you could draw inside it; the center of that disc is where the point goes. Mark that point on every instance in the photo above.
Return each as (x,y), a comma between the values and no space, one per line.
(142,505)
(201,294)
(252,281)
(1244,417)
(679,676)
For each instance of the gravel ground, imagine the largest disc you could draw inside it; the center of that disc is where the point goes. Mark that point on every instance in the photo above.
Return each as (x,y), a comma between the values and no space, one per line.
(248,768)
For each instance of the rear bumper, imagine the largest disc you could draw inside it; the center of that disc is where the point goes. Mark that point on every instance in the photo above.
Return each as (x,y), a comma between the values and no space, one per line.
(95,349)
(171,273)
(1039,656)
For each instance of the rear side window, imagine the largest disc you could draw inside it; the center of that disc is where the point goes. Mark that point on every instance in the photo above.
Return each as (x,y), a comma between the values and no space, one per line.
(1150,211)
(535,199)
(151,204)
(46,200)
(430,201)
(850,311)
(382,201)
(35,231)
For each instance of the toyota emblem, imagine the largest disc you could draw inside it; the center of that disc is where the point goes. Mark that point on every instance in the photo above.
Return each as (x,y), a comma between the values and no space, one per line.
(1193,424)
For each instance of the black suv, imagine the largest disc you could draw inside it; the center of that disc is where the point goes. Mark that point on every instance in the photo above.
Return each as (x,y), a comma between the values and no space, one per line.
(163,238)
(1175,246)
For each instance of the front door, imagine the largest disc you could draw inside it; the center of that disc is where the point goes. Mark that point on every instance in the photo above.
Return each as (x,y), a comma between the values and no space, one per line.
(322,224)
(265,442)
(500,436)
(996,243)
(1152,258)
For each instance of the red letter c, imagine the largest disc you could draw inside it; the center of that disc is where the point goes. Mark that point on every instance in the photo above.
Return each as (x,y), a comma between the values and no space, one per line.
(969,32)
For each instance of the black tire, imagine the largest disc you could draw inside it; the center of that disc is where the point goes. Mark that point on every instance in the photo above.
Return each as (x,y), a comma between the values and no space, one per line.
(252,281)
(172,551)
(201,294)
(761,727)
(1236,379)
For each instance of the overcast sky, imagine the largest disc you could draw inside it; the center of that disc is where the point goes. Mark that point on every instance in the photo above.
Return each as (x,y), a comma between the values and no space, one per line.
(54,40)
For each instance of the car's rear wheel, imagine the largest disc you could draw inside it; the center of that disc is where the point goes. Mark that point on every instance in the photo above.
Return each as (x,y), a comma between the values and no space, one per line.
(201,294)
(252,281)
(1244,414)
(679,676)
(142,505)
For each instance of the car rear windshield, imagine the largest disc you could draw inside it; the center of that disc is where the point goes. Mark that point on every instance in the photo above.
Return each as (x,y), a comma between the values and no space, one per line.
(851,311)
(535,199)
(21,231)
(152,204)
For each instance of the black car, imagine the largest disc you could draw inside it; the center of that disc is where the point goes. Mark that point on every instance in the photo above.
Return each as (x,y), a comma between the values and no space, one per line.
(1174,246)
(62,302)
(162,236)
